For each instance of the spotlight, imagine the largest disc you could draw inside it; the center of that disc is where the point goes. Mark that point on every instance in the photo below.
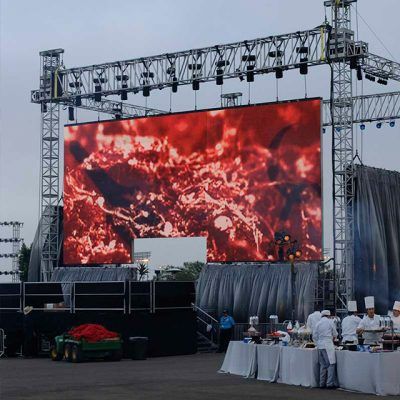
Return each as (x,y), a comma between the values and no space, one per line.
(146,91)
(174,84)
(392,124)
(379,125)
(78,101)
(353,62)
(250,73)
(359,73)
(304,66)
(278,73)
(97,93)
(362,127)
(196,84)
(370,77)
(220,78)
(71,113)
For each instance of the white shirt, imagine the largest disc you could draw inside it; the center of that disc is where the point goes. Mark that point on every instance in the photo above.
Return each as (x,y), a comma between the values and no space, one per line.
(349,327)
(324,332)
(313,320)
(370,324)
(396,322)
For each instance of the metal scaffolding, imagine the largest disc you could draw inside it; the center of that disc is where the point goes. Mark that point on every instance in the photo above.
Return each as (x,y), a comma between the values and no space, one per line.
(330,44)
(15,241)
(51,63)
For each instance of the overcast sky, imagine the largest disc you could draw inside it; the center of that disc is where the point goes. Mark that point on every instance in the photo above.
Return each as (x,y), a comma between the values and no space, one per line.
(94,31)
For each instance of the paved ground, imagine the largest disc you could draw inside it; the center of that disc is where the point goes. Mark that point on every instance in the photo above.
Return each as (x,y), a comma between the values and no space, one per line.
(184,377)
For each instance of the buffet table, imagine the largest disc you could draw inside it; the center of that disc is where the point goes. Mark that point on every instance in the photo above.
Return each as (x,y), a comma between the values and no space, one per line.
(369,373)
(362,372)
(240,359)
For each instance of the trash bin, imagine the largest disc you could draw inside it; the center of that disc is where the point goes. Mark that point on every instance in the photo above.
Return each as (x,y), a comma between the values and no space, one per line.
(138,347)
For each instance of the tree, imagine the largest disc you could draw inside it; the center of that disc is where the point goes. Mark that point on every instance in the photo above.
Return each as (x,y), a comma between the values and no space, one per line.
(142,270)
(23,261)
(190,271)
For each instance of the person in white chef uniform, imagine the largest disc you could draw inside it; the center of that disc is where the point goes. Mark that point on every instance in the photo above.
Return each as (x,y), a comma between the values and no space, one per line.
(313,320)
(369,326)
(324,335)
(396,316)
(350,324)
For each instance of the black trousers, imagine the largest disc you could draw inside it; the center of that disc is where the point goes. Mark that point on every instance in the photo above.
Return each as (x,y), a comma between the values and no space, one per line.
(225,336)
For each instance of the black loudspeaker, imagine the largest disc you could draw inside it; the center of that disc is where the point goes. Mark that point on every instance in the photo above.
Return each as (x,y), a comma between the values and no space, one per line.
(97,94)
(196,84)
(71,116)
(124,95)
(250,73)
(146,91)
(78,101)
(279,73)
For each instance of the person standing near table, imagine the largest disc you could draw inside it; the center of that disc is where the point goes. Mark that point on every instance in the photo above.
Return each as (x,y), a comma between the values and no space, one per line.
(350,324)
(324,335)
(313,320)
(395,317)
(370,322)
(226,324)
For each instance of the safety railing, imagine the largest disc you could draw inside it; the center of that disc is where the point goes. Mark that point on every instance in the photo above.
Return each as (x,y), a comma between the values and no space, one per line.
(207,325)
(11,296)
(44,295)
(2,343)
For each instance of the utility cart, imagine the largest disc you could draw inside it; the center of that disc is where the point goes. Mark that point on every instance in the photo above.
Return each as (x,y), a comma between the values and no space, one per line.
(72,350)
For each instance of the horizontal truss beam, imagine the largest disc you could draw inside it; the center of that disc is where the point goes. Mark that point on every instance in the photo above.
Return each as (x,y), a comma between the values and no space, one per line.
(370,108)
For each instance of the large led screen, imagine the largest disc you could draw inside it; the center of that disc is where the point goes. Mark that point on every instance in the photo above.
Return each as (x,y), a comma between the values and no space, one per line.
(234,176)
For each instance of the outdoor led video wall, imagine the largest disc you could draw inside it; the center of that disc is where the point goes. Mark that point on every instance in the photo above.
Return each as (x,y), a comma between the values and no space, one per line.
(234,176)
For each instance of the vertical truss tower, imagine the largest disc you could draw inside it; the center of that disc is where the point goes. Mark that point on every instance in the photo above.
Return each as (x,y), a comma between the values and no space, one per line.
(341,39)
(16,247)
(51,63)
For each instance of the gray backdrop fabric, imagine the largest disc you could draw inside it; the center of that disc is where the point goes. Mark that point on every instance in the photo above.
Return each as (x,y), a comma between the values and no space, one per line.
(257,289)
(377,236)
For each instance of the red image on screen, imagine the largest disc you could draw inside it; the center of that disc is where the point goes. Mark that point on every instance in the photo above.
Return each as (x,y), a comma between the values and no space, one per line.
(234,176)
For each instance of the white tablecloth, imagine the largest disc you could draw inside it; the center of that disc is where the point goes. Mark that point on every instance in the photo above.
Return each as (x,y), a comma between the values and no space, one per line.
(299,367)
(240,359)
(268,361)
(369,373)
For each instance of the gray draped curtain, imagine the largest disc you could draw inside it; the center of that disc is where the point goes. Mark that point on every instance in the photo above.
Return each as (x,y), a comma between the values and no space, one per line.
(257,289)
(377,236)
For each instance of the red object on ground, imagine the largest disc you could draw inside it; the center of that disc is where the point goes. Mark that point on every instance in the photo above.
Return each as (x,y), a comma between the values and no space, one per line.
(92,333)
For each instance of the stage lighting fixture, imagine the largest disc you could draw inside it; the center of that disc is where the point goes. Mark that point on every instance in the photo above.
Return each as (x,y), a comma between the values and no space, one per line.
(370,77)
(359,73)
(304,66)
(382,81)
(220,77)
(362,127)
(250,73)
(392,124)
(97,93)
(124,95)
(196,84)
(71,113)
(379,125)
(174,84)
(278,73)
(146,91)
(78,101)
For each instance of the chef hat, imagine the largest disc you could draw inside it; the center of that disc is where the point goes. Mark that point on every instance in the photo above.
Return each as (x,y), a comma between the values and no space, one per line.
(352,306)
(396,306)
(369,302)
(325,313)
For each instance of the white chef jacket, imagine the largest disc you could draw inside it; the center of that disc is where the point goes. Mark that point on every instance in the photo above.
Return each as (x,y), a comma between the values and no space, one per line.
(323,335)
(312,321)
(370,323)
(396,322)
(349,327)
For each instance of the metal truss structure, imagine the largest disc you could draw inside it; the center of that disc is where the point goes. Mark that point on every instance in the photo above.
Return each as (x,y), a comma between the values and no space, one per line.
(16,241)
(330,44)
